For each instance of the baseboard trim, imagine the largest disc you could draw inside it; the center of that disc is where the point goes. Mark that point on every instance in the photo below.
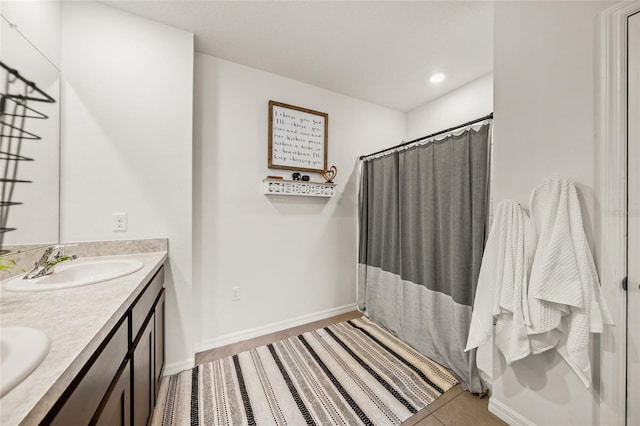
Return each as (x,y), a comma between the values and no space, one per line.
(508,415)
(230,338)
(178,366)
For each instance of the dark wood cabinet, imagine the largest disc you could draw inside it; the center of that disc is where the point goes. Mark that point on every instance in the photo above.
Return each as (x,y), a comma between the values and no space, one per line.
(147,350)
(81,402)
(159,343)
(119,384)
(144,374)
(145,303)
(116,409)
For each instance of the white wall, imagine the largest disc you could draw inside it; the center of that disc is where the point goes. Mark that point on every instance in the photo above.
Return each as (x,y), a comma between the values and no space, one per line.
(471,101)
(39,22)
(127,142)
(544,123)
(291,256)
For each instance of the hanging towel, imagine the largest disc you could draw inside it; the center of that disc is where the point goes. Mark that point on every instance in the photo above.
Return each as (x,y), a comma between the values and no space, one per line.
(564,303)
(499,293)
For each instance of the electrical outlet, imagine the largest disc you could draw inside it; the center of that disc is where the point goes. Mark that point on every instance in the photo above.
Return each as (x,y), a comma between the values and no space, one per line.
(235,294)
(119,222)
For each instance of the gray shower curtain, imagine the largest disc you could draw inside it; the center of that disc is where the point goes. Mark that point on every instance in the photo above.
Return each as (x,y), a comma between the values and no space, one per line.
(422,223)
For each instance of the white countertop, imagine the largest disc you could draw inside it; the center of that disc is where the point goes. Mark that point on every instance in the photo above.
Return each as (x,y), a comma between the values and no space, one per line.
(76,320)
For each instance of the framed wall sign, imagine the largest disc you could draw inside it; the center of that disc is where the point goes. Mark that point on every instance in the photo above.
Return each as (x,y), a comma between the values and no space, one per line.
(297,138)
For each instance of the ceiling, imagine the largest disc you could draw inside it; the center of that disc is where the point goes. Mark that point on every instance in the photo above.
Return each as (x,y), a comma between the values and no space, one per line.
(378,51)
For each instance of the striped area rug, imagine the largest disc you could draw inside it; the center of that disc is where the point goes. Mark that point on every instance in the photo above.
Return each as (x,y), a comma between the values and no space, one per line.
(349,373)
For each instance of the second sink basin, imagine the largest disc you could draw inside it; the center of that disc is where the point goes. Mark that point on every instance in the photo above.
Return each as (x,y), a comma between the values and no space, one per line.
(22,349)
(77,273)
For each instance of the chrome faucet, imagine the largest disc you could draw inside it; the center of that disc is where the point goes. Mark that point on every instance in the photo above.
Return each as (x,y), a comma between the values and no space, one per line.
(50,258)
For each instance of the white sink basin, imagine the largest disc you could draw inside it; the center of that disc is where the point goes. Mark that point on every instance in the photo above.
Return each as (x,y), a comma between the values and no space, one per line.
(22,349)
(76,273)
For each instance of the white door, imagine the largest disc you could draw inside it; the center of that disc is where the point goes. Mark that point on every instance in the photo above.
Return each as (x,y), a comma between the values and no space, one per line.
(633,222)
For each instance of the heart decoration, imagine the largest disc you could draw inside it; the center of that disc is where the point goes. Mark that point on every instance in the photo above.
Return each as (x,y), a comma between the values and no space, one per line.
(330,174)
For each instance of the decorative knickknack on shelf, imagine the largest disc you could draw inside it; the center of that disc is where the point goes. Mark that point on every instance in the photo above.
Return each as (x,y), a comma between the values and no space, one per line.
(330,174)
(290,187)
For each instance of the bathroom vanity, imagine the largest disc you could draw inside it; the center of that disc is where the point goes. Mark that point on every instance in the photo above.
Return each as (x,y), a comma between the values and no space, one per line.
(107,350)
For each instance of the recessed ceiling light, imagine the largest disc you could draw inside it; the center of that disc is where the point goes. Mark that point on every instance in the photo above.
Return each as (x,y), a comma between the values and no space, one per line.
(437,78)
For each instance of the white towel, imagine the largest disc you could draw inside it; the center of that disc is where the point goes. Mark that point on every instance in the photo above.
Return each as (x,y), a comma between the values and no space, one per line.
(564,300)
(500,284)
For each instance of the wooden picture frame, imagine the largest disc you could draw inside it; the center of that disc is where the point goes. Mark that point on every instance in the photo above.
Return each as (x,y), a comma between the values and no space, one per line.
(298,138)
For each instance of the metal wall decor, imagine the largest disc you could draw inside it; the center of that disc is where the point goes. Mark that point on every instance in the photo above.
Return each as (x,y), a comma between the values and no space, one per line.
(330,174)
(15,94)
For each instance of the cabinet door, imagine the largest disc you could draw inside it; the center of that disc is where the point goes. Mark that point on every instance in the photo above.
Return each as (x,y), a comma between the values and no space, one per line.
(144,374)
(159,336)
(116,409)
(80,406)
(145,302)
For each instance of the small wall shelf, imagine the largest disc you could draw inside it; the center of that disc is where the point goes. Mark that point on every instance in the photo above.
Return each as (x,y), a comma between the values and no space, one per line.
(297,187)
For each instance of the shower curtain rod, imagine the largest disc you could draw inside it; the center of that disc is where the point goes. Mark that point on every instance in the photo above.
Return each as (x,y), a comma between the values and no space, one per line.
(477,120)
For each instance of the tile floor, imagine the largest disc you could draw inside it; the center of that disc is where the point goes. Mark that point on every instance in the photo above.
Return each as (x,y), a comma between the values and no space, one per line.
(455,407)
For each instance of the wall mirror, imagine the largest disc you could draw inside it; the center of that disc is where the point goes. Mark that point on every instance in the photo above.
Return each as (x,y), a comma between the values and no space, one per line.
(34,213)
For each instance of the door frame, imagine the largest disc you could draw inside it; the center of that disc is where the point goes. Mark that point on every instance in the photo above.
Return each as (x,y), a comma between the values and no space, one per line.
(611,191)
